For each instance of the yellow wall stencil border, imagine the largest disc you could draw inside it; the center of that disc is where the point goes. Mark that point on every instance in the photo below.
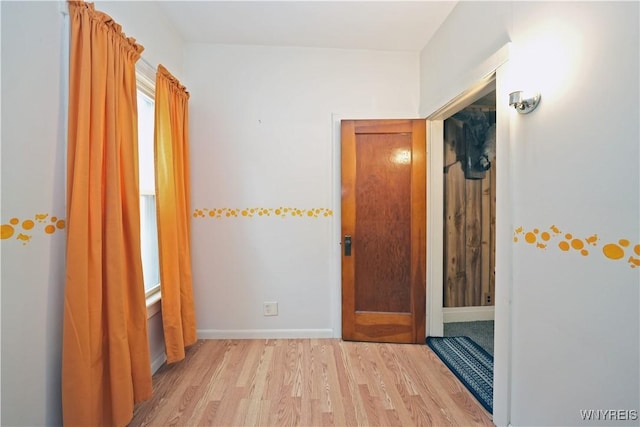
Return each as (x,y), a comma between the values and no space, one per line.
(585,246)
(23,229)
(283,212)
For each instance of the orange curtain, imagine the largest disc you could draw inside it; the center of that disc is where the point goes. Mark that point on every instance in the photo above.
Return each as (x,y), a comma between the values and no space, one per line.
(105,355)
(173,205)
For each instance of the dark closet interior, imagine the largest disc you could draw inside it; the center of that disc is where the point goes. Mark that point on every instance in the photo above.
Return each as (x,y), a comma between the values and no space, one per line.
(469,205)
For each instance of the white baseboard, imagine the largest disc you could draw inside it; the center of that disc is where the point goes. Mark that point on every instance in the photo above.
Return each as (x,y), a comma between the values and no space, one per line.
(157,362)
(467,314)
(212,334)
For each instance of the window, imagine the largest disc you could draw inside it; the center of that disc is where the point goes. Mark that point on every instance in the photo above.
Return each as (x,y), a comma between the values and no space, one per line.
(148,222)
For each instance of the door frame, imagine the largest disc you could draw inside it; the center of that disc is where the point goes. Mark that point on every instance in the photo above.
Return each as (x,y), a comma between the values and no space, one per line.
(493,68)
(356,321)
(335,295)
(435,195)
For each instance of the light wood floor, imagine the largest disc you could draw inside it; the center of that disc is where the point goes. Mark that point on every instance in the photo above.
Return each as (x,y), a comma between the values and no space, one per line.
(308,382)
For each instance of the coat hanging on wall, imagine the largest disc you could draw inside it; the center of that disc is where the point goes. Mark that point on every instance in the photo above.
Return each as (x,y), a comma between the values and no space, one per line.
(479,137)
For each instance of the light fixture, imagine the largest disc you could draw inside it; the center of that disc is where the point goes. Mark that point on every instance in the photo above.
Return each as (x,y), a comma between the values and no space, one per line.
(523,105)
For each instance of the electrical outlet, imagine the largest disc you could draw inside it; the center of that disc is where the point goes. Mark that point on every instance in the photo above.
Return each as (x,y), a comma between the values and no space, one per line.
(488,299)
(270,308)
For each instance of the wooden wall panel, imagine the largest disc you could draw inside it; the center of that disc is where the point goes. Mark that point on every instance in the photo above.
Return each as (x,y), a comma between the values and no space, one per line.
(454,220)
(473,250)
(487,196)
(492,251)
(469,221)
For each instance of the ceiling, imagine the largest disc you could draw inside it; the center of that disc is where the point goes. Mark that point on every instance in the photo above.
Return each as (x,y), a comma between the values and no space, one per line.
(377,25)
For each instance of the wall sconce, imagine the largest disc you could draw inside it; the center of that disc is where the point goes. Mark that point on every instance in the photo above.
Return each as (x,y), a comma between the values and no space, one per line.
(523,105)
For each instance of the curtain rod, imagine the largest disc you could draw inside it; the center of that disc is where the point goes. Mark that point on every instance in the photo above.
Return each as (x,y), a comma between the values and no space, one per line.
(63,8)
(146,66)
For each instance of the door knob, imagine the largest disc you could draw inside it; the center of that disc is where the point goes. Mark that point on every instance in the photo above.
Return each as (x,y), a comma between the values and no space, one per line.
(347,245)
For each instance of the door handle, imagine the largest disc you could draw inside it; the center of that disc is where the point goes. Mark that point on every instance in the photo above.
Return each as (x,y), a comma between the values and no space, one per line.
(347,245)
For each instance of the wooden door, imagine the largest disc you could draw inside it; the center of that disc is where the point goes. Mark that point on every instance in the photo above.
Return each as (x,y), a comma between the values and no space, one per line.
(383,230)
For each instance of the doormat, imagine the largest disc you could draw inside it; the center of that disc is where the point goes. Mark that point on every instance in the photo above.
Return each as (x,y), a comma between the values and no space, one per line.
(470,363)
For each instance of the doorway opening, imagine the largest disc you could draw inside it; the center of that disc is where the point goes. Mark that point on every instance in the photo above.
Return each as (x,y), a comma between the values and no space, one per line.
(469,213)
(460,176)
(493,74)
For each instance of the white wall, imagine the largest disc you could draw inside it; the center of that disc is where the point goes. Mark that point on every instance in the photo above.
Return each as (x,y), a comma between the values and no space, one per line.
(33,182)
(147,23)
(574,165)
(261,137)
